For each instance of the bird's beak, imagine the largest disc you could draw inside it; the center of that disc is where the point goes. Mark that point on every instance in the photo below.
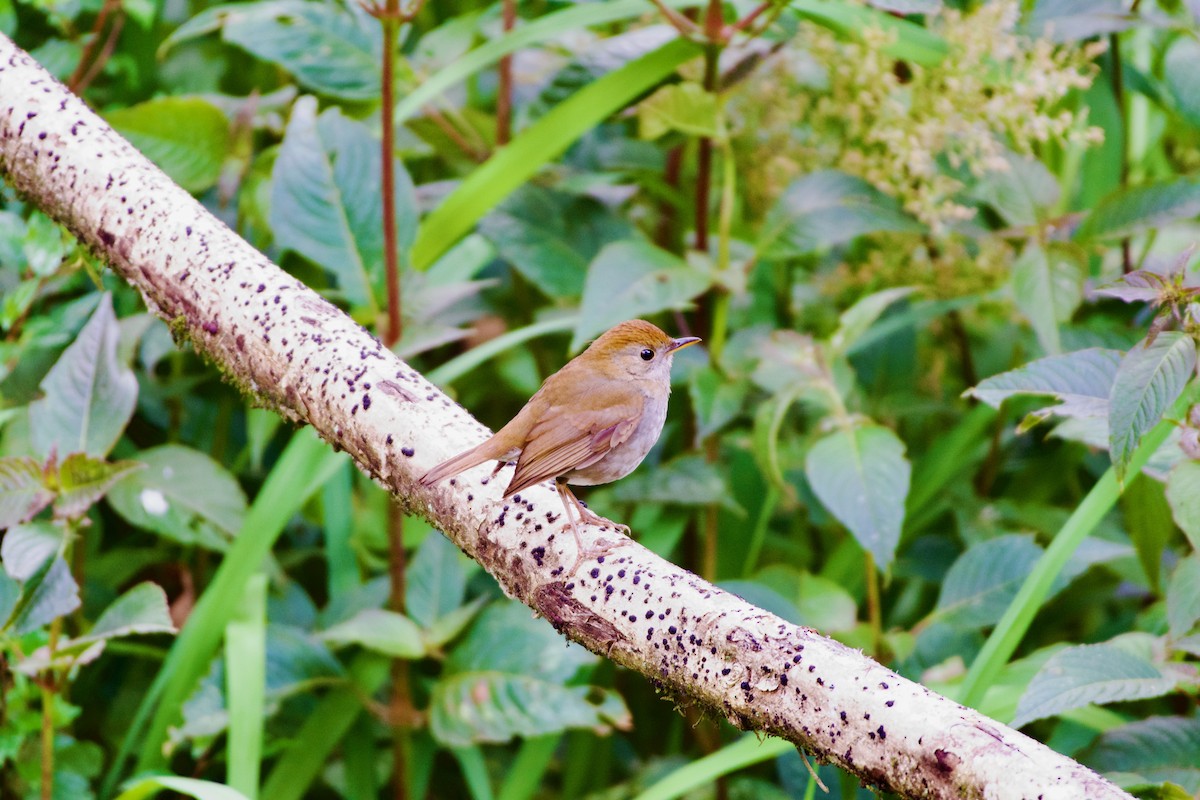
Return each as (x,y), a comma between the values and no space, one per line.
(679,344)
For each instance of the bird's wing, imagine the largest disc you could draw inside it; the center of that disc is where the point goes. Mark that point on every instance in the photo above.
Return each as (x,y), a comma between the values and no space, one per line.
(567,438)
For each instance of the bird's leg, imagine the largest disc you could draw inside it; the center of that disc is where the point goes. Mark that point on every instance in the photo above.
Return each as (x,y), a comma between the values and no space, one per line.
(568,499)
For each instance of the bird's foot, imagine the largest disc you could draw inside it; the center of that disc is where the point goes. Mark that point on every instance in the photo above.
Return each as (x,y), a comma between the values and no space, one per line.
(592,518)
(597,551)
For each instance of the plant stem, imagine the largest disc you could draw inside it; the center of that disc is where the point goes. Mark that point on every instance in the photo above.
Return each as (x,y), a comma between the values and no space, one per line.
(400,713)
(1007,635)
(505,87)
(391,25)
(48,688)
(874,609)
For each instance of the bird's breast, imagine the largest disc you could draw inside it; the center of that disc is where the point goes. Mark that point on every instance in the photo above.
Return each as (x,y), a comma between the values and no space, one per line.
(625,457)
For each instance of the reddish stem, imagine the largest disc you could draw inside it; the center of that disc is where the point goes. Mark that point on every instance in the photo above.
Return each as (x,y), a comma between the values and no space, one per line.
(504,90)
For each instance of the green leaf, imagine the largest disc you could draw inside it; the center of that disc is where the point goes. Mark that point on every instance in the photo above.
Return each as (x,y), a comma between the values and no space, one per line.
(1181,71)
(686,480)
(141,610)
(550,237)
(1130,211)
(861,476)
(83,480)
(1157,748)
(506,638)
(983,581)
(1183,597)
(326,200)
(716,399)
(1020,194)
(472,707)
(141,788)
(1090,673)
(1183,493)
(540,143)
(181,494)
(89,393)
(685,107)
(26,548)
(633,279)
(45,597)
(1148,521)
(1081,381)
(906,40)
(828,208)
(23,492)
(383,631)
(185,136)
(329,48)
(436,582)
(858,318)
(1148,381)
(1047,287)
(1068,21)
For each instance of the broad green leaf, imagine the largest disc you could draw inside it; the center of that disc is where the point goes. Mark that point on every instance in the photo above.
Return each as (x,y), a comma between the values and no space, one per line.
(633,279)
(1157,748)
(186,136)
(142,609)
(1148,521)
(686,480)
(1181,71)
(906,40)
(44,245)
(83,480)
(1047,287)
(142,788)
(716,399)
(382,631)
(858,318)
(89,393)
(862,477)
(473,707)
(506,638)
(436,582)
(684,107)
(45,596)
(829,208)
(982,582)
(1183,596)
(1130,211)
(1070,21)
(23,492)
(183,495)
(1091,673)
(1020,194)
(1081,381)
(550,237)
(10,593)
(329,48)
(1183,493)
(326,201)
(1147,383)
(26,548)
(540,143)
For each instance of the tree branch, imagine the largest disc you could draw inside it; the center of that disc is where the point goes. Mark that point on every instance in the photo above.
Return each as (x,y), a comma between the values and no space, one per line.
(282,342)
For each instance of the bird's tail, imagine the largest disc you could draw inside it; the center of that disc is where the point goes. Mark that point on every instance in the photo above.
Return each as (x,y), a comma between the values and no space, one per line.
(460,463)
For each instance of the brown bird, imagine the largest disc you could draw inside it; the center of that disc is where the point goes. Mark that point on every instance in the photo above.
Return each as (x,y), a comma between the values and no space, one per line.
(591,422)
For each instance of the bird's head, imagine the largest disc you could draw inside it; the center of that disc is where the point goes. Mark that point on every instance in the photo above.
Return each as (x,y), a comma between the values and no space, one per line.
(636,348)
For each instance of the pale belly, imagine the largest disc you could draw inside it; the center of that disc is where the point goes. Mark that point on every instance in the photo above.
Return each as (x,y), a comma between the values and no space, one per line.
(624,458)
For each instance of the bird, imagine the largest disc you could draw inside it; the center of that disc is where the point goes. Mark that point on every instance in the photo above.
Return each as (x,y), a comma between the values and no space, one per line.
(592,422)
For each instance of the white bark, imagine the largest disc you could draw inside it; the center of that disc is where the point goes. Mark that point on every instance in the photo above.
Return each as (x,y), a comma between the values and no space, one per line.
(274,337)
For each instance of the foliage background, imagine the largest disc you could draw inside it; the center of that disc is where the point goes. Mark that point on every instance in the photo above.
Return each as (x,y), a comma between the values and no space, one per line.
(884,219)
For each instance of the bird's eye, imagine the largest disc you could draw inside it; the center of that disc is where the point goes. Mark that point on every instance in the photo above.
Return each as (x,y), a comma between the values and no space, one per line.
(647,354)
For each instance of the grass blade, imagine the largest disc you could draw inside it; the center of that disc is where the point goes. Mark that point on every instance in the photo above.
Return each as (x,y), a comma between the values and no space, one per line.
(1008,633)
(742,753)
(245,686)
(538,144)
(303,467)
